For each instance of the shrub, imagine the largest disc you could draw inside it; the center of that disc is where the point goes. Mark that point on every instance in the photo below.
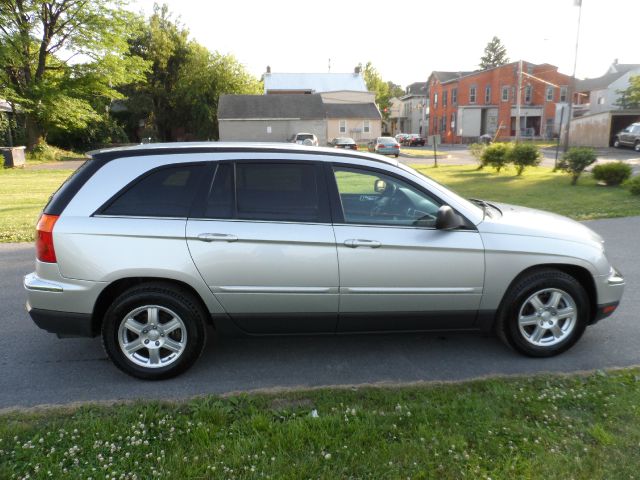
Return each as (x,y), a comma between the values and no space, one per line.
(613,173)
(476,150)
(496,155)
(634,185)
(524,155)
(44,152)
(576,160)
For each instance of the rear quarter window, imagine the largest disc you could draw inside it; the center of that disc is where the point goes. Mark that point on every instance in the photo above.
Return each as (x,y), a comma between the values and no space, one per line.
(165,192)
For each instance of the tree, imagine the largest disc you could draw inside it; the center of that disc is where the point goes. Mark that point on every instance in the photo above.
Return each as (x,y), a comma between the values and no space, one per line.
(179,97)
(495,54)
(384,91)
(630,96)
(61,60)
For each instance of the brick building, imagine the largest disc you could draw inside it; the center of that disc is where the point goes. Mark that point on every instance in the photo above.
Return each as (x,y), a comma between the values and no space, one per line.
(465,105)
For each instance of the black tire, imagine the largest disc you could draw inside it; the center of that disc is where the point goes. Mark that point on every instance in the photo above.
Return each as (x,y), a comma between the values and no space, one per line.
(397,156)
(169,298)
(636,146)
(616,142)
(516,300)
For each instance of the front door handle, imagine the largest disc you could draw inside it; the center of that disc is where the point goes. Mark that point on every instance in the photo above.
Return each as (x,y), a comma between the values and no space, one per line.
(217,237)
(358,242)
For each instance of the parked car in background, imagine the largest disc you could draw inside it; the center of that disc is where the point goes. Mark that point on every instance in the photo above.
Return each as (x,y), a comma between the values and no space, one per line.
(400,137)
(384,146)
(629,137)
(414,140)
(308,139)
(344,142)
(153,246)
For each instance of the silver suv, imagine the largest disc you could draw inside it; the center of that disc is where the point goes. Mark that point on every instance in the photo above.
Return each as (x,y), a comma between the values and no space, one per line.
(151,245)
(629,137)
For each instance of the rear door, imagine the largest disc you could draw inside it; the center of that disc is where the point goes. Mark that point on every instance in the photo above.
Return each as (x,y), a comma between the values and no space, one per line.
(264,244)
(397,271)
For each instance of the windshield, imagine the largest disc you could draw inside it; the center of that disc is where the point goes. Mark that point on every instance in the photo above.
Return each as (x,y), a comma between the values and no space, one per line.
(458,197)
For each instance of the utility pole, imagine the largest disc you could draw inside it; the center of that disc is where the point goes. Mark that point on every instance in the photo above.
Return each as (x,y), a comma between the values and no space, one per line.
(571,89)
(518,101)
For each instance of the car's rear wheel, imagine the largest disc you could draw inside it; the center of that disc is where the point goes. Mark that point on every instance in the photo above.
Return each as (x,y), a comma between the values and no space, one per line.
(544,313)
(154,331)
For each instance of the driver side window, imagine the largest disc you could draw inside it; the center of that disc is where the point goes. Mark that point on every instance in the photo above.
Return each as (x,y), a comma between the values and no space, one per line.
(370,197)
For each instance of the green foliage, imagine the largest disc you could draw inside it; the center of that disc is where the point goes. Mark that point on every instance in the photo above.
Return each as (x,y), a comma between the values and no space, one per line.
(384,91)
(62,60)
(630,97)
(524,155)
(634,185)
(45,153)
(495,54)
(576,160)
(613,173)
(476,150)
(496,155)
(178,99)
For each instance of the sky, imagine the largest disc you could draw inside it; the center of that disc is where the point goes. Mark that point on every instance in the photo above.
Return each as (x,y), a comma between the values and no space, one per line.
(407,40)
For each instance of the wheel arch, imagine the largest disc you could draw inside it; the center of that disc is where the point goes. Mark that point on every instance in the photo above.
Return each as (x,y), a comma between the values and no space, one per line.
(117,287)
(581,274)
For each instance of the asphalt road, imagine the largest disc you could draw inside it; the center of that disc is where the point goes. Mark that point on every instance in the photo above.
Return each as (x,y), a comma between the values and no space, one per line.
(37,368)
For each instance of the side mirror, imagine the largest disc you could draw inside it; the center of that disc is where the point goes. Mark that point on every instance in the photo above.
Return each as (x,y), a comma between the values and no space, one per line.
(447,219)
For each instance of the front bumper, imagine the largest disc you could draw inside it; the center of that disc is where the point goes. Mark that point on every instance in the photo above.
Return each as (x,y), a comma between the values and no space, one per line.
(610,290)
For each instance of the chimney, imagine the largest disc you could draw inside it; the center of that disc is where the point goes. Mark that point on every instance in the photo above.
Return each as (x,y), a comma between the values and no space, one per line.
(268,69)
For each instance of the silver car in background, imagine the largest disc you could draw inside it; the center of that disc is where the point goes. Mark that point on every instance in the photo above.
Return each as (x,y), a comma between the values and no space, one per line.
(149,246)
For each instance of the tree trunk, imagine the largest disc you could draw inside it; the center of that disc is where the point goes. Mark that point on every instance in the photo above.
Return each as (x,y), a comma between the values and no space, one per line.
(35,133)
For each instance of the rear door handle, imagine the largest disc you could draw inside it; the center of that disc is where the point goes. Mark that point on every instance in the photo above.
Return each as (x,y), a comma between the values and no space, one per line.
(217,237)
(358,242)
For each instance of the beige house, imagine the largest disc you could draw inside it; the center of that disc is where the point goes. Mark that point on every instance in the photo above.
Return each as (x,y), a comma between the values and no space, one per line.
(360,121)
(348,96)
(276,118)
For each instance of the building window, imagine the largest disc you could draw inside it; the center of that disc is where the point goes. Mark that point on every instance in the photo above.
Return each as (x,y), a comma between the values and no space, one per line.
(549,94)
(435,125)
(505,94)
(343,126)
(445,94)
(487,94)
(453,122)
(563,94)
(443,127)
(366,127)
(435,100)
(472,95)
(600,100)
(528,90)
(454,96)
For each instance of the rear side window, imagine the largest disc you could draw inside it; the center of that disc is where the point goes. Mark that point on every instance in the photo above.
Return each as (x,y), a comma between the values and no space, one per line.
(281,192)
(167,192)
(220,199)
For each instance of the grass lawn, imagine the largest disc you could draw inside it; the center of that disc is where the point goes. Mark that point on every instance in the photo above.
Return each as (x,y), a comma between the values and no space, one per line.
(538,188)
(23,193)
(544,427)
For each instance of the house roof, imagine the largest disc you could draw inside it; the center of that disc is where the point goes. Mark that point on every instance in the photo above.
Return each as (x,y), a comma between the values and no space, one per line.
(314,82)
(416,88)
(443,77)
(623,67)
(303,107)
(352,110)
(599,83)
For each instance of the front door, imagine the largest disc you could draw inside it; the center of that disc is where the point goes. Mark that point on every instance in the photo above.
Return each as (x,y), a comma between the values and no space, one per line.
(397,271)
(264,245)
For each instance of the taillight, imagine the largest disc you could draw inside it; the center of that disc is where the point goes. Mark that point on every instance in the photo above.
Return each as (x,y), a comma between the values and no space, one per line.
(381,146)
(44,238)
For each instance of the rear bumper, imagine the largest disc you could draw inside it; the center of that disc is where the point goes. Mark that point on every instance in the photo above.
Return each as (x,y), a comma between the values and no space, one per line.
(64,324)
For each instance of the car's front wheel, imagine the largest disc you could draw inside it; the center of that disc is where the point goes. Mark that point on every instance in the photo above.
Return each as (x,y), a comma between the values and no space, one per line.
(154,331)
(544,313)
(636,147)
(616,142)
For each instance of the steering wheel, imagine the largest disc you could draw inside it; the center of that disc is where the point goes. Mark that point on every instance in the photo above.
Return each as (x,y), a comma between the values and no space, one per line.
(383,203)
